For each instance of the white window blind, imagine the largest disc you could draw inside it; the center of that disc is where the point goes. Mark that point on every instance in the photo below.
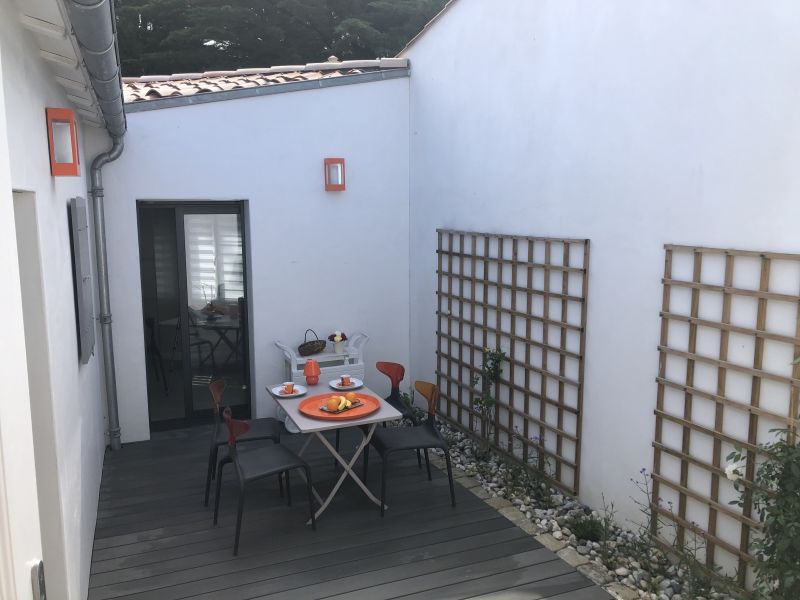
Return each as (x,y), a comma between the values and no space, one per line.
(213,259)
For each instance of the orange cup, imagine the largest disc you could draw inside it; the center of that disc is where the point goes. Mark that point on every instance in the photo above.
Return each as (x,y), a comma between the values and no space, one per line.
(345,382)
(288,387)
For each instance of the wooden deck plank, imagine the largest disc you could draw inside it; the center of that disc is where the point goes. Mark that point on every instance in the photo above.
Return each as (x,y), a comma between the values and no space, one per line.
(537,581)
(384,585)
(475,521)
(154,539)
(305,572)
(198,566)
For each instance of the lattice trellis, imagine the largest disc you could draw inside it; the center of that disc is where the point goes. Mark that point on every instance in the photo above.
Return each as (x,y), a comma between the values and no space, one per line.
(526,296)
(730,328)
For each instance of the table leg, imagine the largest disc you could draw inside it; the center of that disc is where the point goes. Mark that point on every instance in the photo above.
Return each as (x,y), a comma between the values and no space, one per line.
(348,469)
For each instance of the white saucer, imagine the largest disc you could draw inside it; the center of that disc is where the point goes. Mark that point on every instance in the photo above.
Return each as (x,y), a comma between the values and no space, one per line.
(299,390)
(356,383)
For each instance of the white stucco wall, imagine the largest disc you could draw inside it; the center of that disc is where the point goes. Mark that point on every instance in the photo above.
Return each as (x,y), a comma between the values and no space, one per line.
(20,515)
(68,409)
(632,124)
(269,151)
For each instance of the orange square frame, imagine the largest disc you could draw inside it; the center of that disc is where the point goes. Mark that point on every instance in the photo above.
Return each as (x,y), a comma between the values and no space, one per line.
(334,187)
(59,169)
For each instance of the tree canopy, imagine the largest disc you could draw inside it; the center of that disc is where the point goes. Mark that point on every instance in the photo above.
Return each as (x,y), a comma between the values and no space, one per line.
(179,36)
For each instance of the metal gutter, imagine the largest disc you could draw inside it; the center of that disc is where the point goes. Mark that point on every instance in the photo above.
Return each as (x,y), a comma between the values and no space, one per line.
(265,90)
(93,24)
(94,27)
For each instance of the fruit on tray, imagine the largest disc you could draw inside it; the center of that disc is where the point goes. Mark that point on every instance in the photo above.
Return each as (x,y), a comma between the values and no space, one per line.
(351,396)
(338,403)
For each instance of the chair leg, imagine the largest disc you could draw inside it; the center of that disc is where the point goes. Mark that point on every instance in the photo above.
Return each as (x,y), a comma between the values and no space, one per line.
(366,463)
(215,451)
(210,472)
(419,459)
(280,483)
(427,463)
(450,477)
(222,463)
(384,474)
(288,490)
(309,489)
(239,520)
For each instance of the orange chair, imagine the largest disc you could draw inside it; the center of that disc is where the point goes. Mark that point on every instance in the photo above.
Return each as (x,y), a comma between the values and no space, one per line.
(395,372)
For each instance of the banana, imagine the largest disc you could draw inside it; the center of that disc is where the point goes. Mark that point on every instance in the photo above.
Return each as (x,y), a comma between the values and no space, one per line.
(342,403)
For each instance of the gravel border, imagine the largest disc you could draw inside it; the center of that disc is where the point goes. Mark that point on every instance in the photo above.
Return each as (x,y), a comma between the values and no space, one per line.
(627,579)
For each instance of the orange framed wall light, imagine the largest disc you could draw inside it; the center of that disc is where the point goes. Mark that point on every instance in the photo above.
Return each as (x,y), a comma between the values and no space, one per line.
(62,139)
(334,175)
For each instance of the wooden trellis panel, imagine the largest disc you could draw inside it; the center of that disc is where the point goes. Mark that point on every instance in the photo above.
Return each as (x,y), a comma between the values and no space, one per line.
(730,328)
(526,296)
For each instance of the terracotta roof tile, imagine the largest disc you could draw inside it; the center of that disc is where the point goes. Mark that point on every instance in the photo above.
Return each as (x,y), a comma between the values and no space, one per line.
(151,87)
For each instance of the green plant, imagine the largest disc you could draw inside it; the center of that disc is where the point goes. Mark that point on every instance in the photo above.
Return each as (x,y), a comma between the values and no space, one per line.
(588,528)
(774,493)
(608,522)
(527,480)
(408,400)
(491,370)
(683,551)
(650,526)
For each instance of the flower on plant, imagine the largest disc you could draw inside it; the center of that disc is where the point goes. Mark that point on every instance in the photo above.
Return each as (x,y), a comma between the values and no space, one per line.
(733,471)
(337,336)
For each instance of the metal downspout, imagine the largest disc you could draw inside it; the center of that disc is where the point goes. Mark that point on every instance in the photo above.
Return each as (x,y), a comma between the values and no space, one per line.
(94,27)
(98,209)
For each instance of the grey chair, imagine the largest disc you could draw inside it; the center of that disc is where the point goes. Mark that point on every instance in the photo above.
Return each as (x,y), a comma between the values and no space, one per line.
(257,463)
(259,429)
(420,437)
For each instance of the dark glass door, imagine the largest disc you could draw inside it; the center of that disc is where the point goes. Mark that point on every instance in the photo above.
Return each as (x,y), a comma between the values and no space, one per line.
(195,309)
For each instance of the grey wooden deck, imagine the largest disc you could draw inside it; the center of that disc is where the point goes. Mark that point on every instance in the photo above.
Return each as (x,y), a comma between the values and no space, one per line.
(155,540)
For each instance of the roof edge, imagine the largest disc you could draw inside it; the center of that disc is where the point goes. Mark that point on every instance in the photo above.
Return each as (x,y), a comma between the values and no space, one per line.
(282,88)
(427,27)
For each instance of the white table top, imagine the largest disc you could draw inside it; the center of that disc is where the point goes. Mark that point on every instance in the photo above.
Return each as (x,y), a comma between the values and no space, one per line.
(305,424)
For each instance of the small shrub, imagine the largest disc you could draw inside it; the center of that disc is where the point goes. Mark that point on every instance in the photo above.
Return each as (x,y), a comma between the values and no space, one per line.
(775,495)
(588,529)
(408,400)
(491,370)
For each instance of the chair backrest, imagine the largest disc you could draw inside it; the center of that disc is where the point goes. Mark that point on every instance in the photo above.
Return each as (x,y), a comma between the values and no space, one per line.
(394,371)
(217,388)
(431,394)
(236,428)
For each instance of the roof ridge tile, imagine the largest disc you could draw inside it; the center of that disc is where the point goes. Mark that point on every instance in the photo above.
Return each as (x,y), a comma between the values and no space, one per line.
(186,84)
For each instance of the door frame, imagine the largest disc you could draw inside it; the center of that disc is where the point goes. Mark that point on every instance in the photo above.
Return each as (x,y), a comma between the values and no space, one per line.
(194,206)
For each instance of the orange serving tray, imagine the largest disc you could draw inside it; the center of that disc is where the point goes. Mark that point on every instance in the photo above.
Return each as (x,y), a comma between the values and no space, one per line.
(310,407)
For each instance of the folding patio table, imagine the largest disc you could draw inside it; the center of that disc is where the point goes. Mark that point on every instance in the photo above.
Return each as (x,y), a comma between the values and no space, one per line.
(317,427)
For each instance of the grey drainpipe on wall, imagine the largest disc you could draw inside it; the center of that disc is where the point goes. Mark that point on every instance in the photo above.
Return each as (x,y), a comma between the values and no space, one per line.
(98,209)
(94,26)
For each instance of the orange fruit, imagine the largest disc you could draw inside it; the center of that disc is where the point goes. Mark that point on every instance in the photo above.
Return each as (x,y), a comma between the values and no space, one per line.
(333,403)
(350,396)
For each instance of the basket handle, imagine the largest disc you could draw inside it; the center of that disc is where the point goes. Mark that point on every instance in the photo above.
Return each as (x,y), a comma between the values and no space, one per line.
(305,337)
